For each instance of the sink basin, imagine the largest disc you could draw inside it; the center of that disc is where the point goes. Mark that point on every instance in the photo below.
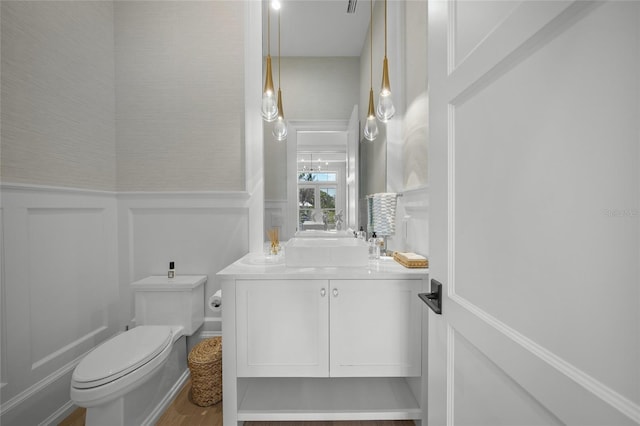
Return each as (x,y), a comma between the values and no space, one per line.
(323,252)
(259,259)
(317,233)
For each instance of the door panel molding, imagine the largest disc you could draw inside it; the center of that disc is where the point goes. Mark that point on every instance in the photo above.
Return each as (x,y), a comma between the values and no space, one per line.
(472,373)
(562,374)
(534,27)
(457,54)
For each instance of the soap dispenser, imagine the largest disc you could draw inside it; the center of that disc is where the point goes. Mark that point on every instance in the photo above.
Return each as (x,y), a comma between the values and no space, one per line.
(361,234)
(374,247)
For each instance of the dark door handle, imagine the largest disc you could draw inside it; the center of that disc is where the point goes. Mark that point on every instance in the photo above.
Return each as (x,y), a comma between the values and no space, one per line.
(433,299)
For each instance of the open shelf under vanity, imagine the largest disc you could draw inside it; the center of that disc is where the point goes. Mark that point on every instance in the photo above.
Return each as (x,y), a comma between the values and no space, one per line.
(300,399)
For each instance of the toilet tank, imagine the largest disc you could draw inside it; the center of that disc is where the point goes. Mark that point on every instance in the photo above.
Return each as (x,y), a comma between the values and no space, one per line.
(170,301)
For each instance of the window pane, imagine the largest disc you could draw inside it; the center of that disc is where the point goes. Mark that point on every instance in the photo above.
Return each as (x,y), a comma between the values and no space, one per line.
(328,198)
(305,177)
(305,215)
(316,176)
(306,197)
(326,177)
(331,216)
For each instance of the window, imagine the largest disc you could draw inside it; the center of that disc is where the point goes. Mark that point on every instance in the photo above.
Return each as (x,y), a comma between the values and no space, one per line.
(317,193)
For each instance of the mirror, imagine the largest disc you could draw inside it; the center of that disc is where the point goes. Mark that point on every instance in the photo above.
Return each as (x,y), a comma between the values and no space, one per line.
(324,73)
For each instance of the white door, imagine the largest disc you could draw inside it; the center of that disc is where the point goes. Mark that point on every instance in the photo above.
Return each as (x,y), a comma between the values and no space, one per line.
(534,179)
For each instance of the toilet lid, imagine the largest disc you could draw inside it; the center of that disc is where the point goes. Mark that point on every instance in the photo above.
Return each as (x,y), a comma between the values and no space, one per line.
(121,354)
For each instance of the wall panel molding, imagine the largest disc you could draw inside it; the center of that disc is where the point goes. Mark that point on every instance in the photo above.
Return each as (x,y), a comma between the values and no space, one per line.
(412,217)
(202,232)
(59,284)
(276,216)
(3,310)
(210,229)
(39,386)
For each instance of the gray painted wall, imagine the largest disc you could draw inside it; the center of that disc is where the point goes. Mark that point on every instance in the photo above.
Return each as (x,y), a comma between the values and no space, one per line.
(179,95)
(126,95)
(373,155)
(319,88)
(416,119)
(57,91)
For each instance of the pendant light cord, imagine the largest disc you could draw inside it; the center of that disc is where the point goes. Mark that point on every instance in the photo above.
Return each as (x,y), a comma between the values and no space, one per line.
(268,30)
(279,13)
(385,28)
(371,45)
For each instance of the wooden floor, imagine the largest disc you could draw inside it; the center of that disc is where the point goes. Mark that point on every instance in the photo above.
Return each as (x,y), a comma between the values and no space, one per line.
(183,412)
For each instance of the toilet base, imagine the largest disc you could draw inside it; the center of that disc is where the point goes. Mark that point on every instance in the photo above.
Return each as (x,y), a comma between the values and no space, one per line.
(145,404)
(110,414)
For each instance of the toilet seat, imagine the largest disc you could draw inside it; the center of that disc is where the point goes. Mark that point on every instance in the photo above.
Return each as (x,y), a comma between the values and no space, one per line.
(121,355)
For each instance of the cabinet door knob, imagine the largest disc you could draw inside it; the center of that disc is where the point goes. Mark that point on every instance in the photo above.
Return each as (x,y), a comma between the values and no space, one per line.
(323,292)
(335,292)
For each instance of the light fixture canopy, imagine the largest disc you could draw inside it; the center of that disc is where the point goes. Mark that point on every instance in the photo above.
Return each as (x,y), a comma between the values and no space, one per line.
(385,109)
(269,105)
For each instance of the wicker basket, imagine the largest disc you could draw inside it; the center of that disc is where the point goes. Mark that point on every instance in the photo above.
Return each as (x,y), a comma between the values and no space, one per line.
(205,363)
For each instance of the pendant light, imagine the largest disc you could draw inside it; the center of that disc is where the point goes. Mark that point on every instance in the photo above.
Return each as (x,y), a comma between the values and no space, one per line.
(371,127)
(269,106)
(385,110)
(280,128)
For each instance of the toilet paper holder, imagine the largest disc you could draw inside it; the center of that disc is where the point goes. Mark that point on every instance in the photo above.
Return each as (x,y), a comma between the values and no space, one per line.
(215,301)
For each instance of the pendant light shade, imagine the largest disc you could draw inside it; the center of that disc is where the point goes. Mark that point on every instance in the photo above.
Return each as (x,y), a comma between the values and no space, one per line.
(370,126)
(370,131)
(269,105)
(385,110)
(280,127)
(280,130)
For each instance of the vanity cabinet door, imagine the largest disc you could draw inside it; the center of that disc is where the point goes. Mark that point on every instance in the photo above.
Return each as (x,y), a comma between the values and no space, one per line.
(375,328)
(282,328)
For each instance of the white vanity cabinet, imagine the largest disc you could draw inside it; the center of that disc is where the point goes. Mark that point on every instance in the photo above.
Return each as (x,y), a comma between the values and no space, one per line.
(303,344)
(375,328)
(328,328)
(282,328)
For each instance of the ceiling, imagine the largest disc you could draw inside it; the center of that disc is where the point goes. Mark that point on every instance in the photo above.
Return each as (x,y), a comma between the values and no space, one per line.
(317,28)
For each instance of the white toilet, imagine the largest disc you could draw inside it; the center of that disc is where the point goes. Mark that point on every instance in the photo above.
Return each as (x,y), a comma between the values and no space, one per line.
(122,380)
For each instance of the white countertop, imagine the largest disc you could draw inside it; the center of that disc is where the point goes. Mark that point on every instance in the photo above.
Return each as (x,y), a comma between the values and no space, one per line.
(258,266)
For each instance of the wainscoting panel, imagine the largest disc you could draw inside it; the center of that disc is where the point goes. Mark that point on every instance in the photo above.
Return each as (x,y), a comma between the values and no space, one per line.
(3,318)
(68,258)
(60,291)
(276,216)
(69,292)
(412,222)
(201,232)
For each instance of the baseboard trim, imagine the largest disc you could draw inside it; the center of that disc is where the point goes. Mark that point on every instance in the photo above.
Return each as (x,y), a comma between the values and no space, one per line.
(162,406)
(39,386)
(59,415)
(208,334)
